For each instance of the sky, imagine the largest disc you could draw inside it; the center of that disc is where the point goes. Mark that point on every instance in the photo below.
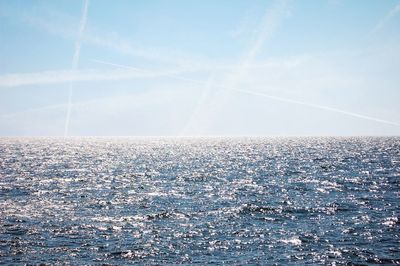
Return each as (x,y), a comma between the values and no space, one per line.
(199,68)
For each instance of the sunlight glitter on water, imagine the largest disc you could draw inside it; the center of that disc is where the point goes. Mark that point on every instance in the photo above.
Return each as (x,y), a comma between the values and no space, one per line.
(215,200)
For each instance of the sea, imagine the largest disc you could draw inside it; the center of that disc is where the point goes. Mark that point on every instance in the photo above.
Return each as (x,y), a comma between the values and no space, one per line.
(211,200)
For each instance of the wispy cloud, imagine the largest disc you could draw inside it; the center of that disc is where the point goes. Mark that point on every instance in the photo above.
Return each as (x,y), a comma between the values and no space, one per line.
(393,12)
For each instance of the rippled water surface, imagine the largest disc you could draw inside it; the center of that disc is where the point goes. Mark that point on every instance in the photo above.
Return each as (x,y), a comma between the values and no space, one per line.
(199,201)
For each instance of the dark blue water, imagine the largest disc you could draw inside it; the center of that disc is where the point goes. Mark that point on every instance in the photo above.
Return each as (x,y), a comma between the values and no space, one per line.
(200,201)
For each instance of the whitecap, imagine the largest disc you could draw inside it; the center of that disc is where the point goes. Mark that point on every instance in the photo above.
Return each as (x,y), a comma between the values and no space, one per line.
(292,241)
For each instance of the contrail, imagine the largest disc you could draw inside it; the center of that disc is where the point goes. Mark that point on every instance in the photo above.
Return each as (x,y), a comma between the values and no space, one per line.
(273,97)
(75,62)
(200,82)
(322,107)
(269,23)
(197,111)
(393,12)
(271,20)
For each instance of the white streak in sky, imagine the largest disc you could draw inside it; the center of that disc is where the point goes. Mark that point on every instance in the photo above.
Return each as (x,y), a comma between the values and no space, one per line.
(122,73)
(271,20)
(269,23)
(166,74)
(75,63)
(273,97)
(64,76)
(60,24)
(393,12)
(322,107)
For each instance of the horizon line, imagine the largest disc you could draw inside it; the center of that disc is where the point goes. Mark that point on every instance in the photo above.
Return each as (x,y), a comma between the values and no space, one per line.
(196,136)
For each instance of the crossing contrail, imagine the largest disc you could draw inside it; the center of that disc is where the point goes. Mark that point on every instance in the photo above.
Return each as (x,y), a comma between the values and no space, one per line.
(273,97)
(75,62)
(271,20)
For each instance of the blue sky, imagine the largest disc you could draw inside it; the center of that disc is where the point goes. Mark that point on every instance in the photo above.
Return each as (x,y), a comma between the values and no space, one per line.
(178,68)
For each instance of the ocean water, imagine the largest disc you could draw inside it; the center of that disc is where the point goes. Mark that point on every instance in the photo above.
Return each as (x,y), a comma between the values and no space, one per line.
(184,201)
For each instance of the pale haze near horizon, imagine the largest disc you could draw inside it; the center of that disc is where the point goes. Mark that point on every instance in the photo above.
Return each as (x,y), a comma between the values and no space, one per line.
(189,68)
